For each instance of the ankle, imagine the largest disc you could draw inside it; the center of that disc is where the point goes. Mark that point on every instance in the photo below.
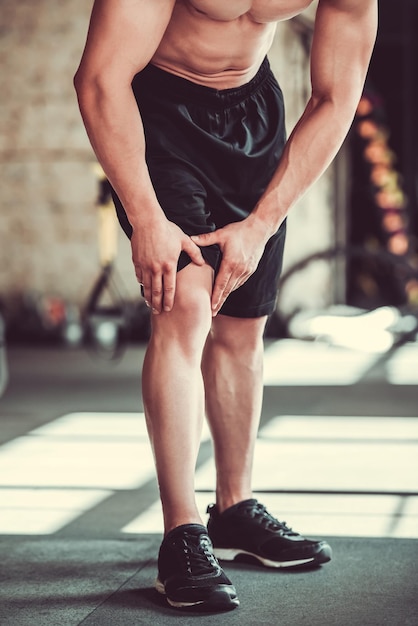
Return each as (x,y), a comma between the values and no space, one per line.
(224,502)
(174,521)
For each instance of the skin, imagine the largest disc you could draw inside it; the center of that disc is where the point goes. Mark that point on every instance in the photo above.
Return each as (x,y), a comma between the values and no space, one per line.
(221,45)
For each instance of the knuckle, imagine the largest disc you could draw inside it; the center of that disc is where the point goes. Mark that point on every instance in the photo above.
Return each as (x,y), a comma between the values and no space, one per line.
(166,266)
(229,264)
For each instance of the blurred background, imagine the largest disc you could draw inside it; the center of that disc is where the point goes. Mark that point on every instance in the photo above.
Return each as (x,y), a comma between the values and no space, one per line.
(338,443)
(56,234)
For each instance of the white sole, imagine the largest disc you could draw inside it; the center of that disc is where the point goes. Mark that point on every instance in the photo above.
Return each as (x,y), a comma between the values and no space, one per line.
(216,603)
(178,605)
(229,554)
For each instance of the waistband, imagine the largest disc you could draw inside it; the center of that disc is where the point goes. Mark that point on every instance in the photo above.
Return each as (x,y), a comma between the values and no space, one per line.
(157,79)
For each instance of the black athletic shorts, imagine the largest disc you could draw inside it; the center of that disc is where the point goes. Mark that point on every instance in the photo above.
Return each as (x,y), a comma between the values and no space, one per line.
(211,153)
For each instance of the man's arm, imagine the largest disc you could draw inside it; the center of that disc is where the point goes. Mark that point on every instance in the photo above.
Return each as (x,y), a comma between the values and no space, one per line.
(344,35)
(122,38)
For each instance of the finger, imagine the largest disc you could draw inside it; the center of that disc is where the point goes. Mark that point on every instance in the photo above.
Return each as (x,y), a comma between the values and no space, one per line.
(224,284)
(138,274)
(156,293)
(205,239)
(146,288)
(241,280)
(193,251)
(169,281)
(226,287)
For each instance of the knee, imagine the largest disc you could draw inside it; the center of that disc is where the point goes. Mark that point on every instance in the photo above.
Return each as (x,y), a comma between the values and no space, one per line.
(192,311)
(240,338)
(188,323)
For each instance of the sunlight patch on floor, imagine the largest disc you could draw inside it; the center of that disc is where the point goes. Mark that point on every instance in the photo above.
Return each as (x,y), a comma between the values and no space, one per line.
(291,362)
(58,471)
(328,515)
(402,367)
(44,511)
(295,362)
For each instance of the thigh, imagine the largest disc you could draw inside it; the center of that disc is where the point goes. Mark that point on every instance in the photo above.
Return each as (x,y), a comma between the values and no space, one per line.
(183,200)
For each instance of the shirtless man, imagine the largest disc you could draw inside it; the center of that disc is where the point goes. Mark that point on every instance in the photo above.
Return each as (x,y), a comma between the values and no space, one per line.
(187,122)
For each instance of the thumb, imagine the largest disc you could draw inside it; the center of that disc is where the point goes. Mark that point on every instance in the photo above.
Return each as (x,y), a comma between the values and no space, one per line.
(205,239)
(193,251)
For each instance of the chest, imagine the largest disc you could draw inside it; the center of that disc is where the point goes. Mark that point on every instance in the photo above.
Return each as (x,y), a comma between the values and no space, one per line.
(261,11)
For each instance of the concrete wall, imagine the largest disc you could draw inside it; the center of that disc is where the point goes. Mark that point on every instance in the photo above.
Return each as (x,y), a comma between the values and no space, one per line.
(48,227)
(48,240)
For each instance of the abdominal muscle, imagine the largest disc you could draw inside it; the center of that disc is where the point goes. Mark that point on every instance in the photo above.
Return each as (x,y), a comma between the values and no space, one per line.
(220,47)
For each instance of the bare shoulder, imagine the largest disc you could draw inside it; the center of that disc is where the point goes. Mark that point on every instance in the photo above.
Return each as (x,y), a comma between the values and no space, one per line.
(124,34)
(353,7)
(103,9)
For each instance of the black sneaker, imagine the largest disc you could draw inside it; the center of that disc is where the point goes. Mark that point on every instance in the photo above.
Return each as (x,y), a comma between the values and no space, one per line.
(189,574)
(248,529)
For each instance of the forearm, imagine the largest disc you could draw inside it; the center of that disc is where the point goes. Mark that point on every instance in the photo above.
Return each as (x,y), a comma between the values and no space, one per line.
(344,36)
(310,149)
(114,127)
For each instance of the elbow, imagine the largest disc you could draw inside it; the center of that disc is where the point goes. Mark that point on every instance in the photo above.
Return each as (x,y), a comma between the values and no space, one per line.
(84,82)
(337,105)
(88,88)
(81,78)
(97,87)
(77,81)
(82,86)
(341,96)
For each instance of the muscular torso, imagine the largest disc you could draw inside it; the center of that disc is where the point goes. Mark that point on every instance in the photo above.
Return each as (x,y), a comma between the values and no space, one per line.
(221,43)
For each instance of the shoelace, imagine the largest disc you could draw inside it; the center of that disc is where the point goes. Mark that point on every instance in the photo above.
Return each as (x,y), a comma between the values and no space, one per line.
(198,555)
(260,513)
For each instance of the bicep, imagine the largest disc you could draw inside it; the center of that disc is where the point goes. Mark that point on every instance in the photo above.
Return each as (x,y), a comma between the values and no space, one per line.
(123,36)
(344,35)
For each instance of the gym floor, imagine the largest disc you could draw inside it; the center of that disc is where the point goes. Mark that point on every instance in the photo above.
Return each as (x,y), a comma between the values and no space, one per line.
(80,521)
